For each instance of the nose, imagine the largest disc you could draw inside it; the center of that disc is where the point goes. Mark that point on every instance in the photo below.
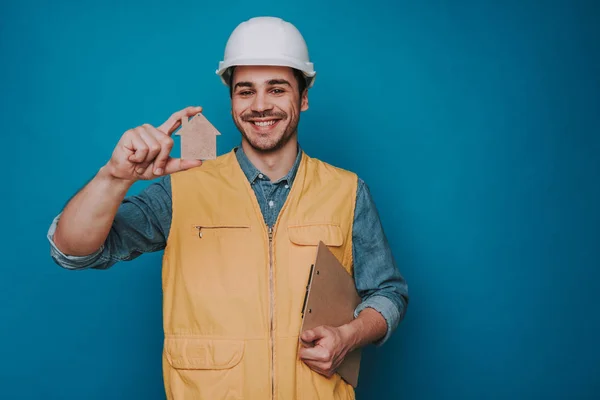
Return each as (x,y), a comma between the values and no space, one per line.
(261,103)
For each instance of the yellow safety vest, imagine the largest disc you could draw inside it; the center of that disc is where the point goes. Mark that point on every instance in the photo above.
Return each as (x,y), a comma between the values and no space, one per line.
(234,289)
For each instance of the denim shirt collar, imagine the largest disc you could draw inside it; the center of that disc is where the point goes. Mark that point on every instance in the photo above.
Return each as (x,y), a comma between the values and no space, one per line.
(252,173)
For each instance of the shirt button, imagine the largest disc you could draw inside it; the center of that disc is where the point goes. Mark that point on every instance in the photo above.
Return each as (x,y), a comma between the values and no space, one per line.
(271,204)
(261,176)
(287,186)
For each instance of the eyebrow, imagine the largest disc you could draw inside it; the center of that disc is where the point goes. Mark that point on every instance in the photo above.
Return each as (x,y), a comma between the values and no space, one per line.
(243,84)
(278,82)
(270,82)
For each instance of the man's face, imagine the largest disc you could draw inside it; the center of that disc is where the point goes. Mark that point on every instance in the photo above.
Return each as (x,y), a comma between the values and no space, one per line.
(266,105)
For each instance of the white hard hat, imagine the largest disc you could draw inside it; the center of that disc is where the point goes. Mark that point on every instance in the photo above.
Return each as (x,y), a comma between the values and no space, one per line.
(266,41)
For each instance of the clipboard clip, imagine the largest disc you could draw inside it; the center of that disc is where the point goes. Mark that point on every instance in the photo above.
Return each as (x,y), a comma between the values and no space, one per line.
(310,275)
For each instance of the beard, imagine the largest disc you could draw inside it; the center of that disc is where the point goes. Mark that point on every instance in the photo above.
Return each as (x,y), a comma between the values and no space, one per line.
(274,141)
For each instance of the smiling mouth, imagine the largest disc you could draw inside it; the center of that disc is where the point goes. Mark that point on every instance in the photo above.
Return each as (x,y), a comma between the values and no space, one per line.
(265,123)
(264,126)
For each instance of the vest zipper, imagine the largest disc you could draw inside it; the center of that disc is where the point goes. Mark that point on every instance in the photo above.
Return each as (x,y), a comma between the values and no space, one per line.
(272,312)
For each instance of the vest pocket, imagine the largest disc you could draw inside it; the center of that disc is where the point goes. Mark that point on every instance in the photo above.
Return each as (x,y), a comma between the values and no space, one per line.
(201,368)
(217,230)
(311,234)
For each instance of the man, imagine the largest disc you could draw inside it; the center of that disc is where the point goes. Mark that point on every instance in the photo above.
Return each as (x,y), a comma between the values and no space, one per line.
(239,234)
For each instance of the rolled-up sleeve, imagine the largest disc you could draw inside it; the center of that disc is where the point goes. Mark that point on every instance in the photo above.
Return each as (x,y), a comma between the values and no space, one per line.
(141,225)
(378,279)
(67,261)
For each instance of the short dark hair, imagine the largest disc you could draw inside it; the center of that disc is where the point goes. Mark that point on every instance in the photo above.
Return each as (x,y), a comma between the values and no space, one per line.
(300,78)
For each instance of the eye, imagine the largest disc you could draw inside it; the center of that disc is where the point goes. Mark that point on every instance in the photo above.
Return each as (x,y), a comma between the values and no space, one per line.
(277,91)
(245,93)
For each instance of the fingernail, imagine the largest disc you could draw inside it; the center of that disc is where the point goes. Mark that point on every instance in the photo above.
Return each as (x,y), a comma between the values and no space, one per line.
(158,171)
(140,170)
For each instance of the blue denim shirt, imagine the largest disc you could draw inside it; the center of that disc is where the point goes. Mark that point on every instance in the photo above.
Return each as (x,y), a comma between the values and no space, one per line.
(143,221)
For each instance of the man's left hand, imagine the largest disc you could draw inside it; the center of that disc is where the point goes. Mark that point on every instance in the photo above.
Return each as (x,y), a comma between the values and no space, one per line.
(327,346)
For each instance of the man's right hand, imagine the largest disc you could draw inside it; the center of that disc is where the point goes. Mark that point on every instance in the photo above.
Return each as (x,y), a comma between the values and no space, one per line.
(144,152)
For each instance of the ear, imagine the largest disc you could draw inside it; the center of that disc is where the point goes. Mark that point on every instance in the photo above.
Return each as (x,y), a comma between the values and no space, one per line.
(304,100)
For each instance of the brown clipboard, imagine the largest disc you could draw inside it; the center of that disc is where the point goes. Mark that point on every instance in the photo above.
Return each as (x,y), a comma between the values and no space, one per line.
(331,299)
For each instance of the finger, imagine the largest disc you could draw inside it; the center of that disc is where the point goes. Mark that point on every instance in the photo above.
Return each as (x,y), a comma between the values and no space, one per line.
(317,353)
(320,367)
(166,144)
(308,336)
(175,119)
(314,334)
(151,141)
(137,146)
(153,146)
(177,164)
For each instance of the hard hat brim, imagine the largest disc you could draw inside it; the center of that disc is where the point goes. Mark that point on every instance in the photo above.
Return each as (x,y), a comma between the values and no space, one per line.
(306,68)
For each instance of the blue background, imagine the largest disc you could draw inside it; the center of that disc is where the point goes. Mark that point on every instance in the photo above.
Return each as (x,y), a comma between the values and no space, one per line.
(476,126)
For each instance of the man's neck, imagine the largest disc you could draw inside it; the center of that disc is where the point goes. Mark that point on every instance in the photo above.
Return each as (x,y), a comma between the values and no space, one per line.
(275,164)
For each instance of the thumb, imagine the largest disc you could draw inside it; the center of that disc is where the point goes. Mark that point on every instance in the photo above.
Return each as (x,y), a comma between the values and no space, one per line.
(308,336)
(179,164)
(312,334)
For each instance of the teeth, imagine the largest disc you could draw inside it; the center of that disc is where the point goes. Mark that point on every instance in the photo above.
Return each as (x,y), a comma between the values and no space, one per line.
(264,123)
